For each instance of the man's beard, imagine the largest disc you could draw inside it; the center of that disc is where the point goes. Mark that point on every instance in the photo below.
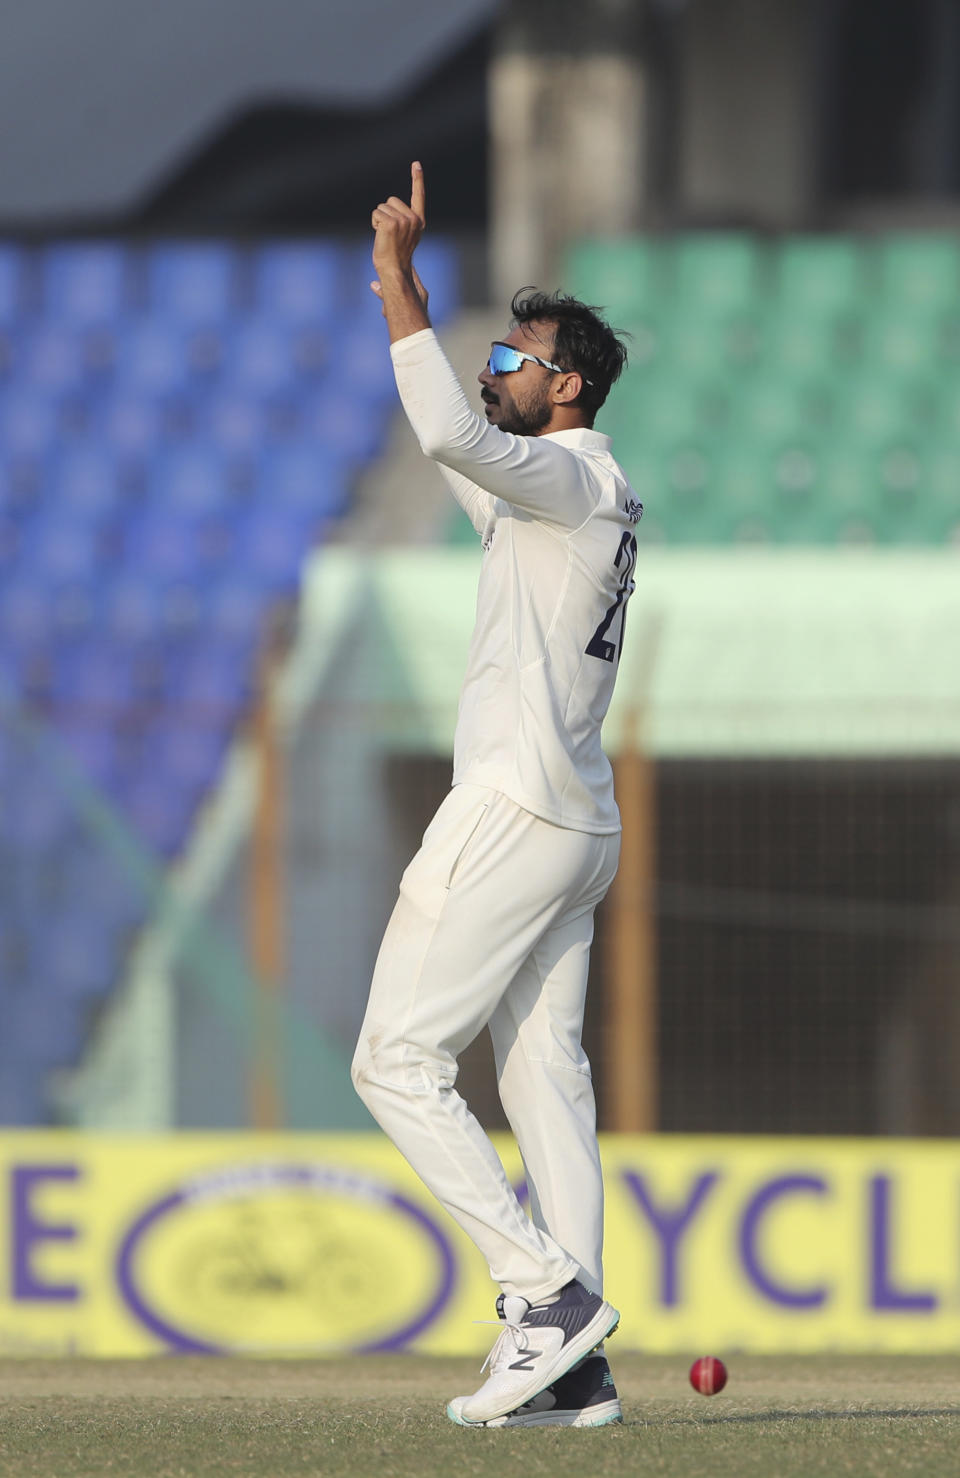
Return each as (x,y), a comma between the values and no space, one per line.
(528,420)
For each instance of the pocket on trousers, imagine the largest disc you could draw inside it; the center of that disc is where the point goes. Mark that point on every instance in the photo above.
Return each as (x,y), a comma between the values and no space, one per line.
(428,877)
(458,860)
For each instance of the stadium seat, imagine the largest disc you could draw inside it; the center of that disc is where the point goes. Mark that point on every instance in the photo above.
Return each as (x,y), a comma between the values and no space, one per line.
(623,275)
(52,360)
(303,482)
(28,423)
(920,273)
(796,343)
(188,483)
(903,341)
(192,283)
(60,546)
(300,282)
(85,283)
(153,358)
(717,275)
(127,426)
(75,958)
(84,484)
(821,275)
(259,359)
(14,301)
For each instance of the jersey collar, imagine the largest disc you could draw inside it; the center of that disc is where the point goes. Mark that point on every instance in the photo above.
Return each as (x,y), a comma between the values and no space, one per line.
(581,436)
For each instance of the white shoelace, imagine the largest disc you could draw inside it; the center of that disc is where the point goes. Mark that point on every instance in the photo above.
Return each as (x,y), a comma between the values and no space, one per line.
(513,1341)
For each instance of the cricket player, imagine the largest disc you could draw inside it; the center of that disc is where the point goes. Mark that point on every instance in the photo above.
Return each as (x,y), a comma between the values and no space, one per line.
(494,921)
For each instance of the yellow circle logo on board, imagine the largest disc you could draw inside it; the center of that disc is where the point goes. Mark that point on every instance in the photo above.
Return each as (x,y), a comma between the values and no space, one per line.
(295,1258)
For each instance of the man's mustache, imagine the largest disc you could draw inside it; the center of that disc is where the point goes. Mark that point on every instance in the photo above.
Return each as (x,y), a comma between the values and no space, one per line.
(488,398)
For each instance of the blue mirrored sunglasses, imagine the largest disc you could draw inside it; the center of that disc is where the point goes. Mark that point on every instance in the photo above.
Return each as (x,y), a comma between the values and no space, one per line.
(504,360)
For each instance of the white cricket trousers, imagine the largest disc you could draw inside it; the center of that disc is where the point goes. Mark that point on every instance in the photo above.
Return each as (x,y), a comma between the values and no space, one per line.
(493,927)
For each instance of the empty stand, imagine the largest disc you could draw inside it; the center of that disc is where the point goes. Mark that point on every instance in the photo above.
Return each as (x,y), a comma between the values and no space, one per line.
(179,423)
(805,390)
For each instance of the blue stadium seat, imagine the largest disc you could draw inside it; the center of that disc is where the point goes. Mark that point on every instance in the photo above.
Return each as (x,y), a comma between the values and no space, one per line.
(190,482)
(299,282)
(259,358)
(303,482)
(75,957)
(364,366)
(189,755)
(14,303)
(25,614)
(28,423)
(85,283)
(273,545)
(94,681)
(154,358)
(127,425)
(49,1031)
(36,815)
(158,815)
(235,423)
(193,282)
(161,547)
(130,609)
(84,485)
(92,745)
(344,424)
(60,547)
(234,608)
(216,681)
(102,887)
(52,359)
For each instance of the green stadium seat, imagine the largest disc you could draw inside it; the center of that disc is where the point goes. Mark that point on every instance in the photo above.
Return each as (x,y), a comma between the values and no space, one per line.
(717,275)
(822,275)
(662,410)
(874,409)
(799,343)
(701,344)
(623,275)
(904,341)
(920,272)
(776,408)
(947,407)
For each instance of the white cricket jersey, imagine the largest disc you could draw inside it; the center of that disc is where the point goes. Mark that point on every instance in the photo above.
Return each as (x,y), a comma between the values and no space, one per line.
(555,515)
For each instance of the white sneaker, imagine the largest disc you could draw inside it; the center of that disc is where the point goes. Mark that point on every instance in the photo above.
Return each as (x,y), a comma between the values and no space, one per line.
(537,1345)
(585,1397)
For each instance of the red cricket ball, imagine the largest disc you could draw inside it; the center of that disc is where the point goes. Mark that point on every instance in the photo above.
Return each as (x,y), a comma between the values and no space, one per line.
(708,1375)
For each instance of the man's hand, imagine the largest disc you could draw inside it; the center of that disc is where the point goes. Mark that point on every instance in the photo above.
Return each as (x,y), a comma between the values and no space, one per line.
(398,230)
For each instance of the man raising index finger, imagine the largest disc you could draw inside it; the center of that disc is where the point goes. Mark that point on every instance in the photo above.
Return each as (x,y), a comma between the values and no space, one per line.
(494,921)
(399,228)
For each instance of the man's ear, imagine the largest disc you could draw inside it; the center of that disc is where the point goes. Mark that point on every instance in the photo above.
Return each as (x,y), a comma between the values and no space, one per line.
(567,388)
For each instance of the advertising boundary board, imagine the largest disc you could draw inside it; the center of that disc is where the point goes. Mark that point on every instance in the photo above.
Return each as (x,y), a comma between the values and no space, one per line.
(307,1244)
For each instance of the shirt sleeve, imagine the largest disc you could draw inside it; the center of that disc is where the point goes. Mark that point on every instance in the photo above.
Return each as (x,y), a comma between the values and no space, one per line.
(476,503)
(529,472)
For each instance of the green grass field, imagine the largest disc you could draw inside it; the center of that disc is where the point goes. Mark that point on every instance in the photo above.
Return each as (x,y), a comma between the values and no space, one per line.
(383,1417)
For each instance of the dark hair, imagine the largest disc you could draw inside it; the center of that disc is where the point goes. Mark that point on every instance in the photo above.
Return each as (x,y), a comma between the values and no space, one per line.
(584,342)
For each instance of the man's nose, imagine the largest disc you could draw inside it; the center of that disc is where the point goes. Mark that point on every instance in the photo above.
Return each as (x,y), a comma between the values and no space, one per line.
(485,377)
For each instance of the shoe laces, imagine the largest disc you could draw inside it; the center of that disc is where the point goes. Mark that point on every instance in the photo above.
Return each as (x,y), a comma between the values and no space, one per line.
(512,1341)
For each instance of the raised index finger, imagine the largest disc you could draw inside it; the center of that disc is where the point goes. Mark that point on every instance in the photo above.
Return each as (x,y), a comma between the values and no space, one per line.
(418,192)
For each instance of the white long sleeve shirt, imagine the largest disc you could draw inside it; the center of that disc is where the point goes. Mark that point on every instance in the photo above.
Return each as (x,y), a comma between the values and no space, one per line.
(555,515)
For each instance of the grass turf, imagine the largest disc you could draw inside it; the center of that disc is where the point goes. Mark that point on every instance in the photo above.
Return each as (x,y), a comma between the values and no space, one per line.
(382,1417)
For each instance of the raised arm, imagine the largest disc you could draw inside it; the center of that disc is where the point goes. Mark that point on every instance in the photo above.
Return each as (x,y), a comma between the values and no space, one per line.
(530,472)
(398,230)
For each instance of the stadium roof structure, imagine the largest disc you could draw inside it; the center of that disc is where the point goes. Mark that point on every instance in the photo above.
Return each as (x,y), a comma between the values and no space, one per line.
(745,652)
